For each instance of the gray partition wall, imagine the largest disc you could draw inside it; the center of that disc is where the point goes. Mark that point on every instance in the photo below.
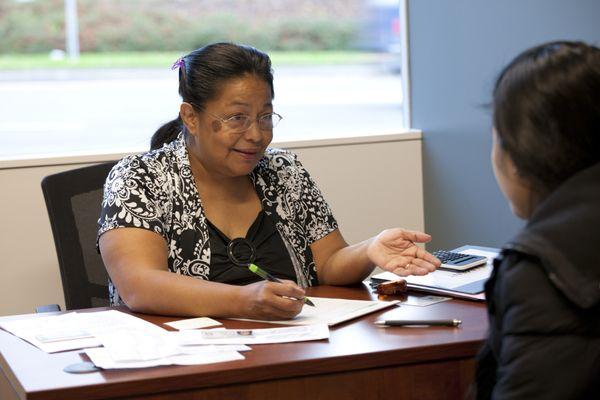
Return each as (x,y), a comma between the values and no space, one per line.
(457,47)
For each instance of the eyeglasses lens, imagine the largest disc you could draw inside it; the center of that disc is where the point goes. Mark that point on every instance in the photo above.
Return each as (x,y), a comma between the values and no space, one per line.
(241,123)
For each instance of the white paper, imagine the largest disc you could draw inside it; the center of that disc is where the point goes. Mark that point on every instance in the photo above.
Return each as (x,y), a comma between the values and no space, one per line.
(490,255)
(441,278)
(102,359)
(193,323)
(138,345)
(333,311)
(423,301)
(449,292)
(451,280)
(65,325)
(255,336)
(29,329)
(210,348)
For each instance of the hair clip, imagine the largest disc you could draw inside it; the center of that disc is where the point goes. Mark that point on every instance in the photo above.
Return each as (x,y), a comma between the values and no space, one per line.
(178,64)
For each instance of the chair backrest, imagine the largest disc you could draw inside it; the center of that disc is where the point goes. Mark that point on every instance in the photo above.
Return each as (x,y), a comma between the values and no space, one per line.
(73,199)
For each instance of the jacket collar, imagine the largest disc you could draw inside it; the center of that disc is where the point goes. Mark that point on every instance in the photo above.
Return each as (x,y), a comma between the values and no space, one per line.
(564,234)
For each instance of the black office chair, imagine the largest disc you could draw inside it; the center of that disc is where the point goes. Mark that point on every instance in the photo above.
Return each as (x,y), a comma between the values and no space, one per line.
(73,200)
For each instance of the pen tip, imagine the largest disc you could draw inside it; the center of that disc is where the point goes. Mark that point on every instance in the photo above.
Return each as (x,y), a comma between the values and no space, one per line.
(308,302)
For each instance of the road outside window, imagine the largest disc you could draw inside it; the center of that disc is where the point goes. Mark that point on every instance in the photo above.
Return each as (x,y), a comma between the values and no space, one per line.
(337,68)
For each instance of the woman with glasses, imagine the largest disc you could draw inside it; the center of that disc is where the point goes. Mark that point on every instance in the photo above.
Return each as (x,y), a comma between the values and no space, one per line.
(543,297)
(209,180)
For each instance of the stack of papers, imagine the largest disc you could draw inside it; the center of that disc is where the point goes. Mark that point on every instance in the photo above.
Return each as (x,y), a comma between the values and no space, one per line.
(128,341)
(141,349)
(74,330)
(131,342)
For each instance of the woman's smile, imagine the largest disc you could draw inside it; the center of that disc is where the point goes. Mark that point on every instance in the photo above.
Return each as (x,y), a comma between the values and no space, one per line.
(249,154)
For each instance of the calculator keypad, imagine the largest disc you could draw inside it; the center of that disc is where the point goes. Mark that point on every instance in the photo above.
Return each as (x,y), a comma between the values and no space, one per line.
(447,257)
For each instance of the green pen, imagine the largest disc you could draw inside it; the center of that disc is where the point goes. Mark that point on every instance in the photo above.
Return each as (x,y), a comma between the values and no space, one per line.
(265,275)
(246,258)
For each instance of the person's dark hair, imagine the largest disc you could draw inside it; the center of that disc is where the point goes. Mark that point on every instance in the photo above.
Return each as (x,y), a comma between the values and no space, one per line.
(546,106)
(202,71)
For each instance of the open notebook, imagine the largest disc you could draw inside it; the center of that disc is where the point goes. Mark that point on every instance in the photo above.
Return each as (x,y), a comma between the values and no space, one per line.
(333,311)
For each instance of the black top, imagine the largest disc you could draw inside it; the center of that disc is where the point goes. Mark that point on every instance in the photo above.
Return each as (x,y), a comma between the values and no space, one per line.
(157,191)
(271,254)
(543,301)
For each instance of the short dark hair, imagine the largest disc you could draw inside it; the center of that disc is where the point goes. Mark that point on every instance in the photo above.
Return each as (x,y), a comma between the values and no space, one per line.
(546,106)
(203,70)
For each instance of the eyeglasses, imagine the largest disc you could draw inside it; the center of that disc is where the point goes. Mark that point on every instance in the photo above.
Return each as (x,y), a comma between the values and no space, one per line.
(240,123)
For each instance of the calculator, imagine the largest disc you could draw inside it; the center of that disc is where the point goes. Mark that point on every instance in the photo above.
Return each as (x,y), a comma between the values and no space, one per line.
(459,261)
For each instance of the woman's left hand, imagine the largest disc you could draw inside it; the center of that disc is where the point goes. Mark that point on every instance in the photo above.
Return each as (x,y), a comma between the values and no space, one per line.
(395,250)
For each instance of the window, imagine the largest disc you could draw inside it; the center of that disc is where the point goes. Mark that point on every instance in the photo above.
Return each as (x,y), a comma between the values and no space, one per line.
(337,68)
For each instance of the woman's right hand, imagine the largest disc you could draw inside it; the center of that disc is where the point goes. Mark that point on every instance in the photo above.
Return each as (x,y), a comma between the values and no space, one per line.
(271,300)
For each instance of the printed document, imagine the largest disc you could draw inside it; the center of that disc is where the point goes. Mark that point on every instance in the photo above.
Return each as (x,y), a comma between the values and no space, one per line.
(334,311)
(143,348)
(74,330)
(102,359)
(254,336)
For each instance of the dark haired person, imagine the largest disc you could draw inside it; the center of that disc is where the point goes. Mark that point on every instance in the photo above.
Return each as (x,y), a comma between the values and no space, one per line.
(210,178)
(544,294)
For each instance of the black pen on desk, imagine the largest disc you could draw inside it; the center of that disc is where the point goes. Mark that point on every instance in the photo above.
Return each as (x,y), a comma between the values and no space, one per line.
(422,322)
(265,275)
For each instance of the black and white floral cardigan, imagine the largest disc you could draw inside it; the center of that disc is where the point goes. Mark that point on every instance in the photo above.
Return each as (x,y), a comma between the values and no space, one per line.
(156,191)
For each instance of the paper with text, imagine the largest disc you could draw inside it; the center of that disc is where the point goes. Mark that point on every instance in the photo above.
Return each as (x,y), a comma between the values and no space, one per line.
(255,336)
(102,359)
(333,311)
(144,348)
(74,330)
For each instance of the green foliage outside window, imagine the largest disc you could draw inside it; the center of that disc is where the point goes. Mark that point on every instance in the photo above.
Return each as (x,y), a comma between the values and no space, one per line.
(35,26)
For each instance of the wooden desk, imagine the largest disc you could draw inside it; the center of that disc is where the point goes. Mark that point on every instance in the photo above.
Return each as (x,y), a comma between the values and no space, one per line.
(360,361)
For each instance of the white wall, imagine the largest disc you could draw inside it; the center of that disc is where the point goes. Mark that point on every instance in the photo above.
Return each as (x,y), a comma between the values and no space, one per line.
(371,183)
